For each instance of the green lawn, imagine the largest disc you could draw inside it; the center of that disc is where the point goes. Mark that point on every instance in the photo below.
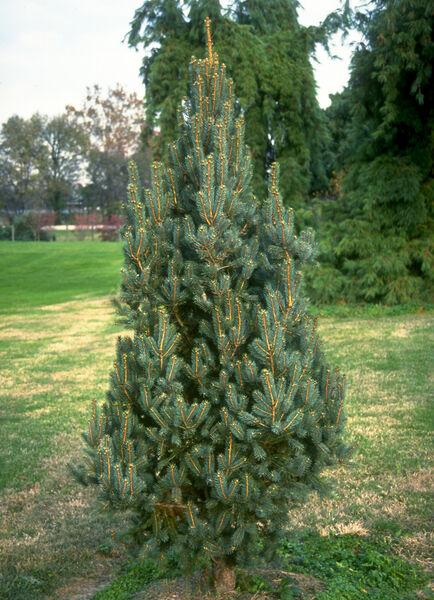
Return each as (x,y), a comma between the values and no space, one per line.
(56,350)
(38,273)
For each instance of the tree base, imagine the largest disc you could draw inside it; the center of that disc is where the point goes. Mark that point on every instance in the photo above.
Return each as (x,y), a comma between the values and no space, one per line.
(224,577)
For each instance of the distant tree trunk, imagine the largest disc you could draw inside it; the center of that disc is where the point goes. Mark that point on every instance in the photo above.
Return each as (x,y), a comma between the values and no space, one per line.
(224,576)
(13,232)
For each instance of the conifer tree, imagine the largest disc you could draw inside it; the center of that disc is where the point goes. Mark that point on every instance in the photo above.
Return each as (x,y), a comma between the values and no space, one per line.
(222,410)
(376,237)
(268,54)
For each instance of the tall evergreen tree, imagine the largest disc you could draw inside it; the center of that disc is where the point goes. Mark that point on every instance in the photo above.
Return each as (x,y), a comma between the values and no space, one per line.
(267,53)
(378,231)
(222,409)
(279,14)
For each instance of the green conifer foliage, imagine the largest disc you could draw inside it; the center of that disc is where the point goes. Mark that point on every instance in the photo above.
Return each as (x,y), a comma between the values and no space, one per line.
(267,53)
(222,409)
(376,233)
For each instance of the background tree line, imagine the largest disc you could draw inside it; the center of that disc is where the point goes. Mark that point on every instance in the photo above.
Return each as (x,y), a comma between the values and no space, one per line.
(359,172)
(72,163)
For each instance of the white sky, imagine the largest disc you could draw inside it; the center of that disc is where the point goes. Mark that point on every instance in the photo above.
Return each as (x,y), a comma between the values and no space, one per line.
(51,50)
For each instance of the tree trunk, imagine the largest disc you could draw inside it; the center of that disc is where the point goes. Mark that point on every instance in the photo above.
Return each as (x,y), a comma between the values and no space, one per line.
(224,577)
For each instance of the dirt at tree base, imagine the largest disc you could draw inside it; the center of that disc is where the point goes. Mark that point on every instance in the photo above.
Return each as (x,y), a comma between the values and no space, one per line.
(196,588)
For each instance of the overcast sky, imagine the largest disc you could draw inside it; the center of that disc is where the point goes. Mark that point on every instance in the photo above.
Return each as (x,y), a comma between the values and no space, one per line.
(51,50)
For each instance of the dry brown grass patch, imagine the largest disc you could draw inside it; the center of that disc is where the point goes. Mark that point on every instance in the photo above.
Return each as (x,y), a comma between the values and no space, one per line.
(26,390)
(83,588)
(417,548)
(11,333)
(421,481)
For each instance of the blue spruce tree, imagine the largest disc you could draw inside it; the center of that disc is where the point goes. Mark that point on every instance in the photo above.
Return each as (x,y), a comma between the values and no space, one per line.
(222,410)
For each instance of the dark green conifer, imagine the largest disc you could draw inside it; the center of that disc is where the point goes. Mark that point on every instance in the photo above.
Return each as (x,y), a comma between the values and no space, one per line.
(222,410)
(376,232)
(268,55)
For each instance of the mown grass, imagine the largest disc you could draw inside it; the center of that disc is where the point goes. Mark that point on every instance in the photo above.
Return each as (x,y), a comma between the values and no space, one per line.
(34,274)
(54,359)
(55,356)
